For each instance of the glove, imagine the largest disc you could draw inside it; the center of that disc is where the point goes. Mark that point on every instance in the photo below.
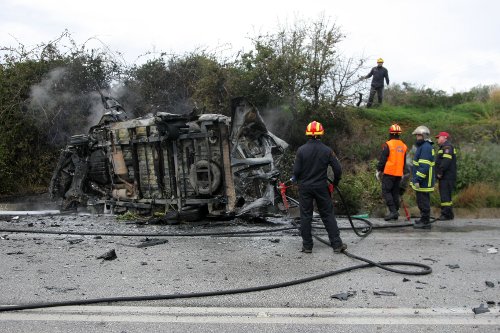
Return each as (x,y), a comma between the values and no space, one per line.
(416,185)
(331,188)
(377,175)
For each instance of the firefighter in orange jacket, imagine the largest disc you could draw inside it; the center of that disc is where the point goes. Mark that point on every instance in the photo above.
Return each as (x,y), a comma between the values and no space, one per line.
(392,165)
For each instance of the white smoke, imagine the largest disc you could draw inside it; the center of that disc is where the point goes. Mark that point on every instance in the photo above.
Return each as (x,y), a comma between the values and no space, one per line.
(62,113)
(43,103)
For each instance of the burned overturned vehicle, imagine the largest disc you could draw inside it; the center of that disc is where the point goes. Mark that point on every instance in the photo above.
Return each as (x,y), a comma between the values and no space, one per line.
(173,163)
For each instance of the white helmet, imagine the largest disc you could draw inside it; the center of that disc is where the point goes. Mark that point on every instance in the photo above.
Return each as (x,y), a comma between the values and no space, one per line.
(422,130)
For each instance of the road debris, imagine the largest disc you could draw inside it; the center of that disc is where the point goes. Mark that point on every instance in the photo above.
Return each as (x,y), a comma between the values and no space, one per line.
(344,296)
(17,252)
(480,309)
(75,241)
(430,259)
(109,255)
(151,242)
(384,293)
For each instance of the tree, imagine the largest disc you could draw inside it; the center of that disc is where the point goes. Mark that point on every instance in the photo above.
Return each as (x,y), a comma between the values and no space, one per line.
(321,56)
(302,63)
(178,83)
(46,94)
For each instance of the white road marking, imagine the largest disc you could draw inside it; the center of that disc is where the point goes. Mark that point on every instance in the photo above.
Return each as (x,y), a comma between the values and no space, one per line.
(223,315)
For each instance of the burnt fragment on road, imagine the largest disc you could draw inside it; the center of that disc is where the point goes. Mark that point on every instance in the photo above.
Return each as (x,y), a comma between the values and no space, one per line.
(384,293)
(343,296)
(147,242)
(480,309)
(109,255)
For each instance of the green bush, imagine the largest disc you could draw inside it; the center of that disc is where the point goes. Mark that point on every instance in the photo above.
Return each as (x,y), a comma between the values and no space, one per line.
(408,94)
(360,190)
(475,108)
(478,165)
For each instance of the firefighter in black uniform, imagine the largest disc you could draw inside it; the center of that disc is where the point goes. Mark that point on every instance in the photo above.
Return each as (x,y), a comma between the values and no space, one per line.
(446,173)
(310,171)
(391,165)
(379,73)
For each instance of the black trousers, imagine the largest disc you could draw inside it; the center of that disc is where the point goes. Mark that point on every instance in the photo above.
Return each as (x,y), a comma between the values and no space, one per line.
(424,205)
(390,192)
(325,209)
(446,187)
(380,95)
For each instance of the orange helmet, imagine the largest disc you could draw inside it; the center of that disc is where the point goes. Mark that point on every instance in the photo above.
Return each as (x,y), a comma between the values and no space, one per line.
(315,128)
(395,129)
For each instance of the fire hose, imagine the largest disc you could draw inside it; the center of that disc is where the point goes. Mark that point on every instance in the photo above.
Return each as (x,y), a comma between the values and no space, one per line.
(385,265)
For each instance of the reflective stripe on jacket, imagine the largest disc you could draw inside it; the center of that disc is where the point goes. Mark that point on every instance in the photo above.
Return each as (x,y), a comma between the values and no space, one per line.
(423,167)
(396,159)
(446,162)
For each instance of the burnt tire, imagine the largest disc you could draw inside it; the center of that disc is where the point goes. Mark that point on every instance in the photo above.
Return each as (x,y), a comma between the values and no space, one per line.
(199,176)
(193,213)
(171,217)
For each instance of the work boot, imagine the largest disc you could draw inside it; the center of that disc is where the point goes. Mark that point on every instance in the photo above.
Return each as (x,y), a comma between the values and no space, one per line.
(306,250)
(391,216)
(422,224)
(340,248)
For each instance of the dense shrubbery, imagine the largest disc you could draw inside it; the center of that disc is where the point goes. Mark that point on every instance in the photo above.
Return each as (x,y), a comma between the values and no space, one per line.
(50,92)
(360,190)
(410,96)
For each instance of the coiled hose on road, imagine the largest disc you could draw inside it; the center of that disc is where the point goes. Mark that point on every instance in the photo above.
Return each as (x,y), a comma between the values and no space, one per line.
(363,233)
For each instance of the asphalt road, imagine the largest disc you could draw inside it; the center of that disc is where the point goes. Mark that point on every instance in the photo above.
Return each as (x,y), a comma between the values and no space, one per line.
(56,267)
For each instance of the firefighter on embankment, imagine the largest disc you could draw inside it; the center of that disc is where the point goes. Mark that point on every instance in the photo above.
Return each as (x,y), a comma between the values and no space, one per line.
(446,173)
(391,165)
(423,175)
(378,73)
(310,171)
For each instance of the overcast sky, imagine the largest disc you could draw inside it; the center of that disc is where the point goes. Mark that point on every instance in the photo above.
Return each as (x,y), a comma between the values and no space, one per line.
(451,45)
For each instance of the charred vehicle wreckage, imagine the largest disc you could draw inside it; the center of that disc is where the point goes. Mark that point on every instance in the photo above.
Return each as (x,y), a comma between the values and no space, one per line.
(179,164)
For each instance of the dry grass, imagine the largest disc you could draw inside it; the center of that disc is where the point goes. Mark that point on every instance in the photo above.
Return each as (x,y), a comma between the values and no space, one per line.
(478,195)
(495,96)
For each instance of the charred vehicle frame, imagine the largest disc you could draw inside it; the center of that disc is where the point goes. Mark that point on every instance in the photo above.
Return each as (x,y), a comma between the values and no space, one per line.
(209,164)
